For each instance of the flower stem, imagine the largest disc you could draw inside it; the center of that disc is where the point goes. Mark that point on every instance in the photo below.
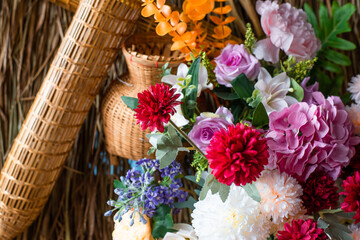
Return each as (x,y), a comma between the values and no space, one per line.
(185,136)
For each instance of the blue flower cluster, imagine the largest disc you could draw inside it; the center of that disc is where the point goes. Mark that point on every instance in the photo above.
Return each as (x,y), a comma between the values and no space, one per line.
(146,187)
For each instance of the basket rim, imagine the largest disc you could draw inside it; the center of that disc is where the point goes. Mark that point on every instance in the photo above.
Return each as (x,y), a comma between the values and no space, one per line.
(143,59)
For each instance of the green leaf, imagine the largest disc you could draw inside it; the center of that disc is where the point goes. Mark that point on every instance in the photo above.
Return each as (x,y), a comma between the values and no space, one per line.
(337,58)
(325,23)
(260,117)
(193,179)
(189,99)
(342,44)
(252,191)
(242,86)
(329,66)
(167,146)
(131,102)
(119,184)
(236,108)
(206,186)
(311,17)
(227,96)
(322,224)
(298,92)
(163,222)
(187,204)
(224,192)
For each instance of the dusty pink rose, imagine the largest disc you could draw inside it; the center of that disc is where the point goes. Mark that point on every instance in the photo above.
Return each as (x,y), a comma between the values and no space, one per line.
(233,61)
(287,29)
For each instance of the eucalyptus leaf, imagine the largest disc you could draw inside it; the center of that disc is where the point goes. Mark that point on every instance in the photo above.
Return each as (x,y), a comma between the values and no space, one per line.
(322,224)
(162,222)
(119,184)
(208,181)
(224,192)
(130,102)
(252,191)
(192,178)
(187,204)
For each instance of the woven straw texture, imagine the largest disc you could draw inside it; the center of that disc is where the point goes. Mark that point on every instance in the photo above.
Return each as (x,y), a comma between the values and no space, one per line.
(78,70)
(145,55)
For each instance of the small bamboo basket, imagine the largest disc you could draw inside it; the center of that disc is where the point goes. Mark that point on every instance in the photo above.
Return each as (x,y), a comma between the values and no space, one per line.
(47,135)
(145,55)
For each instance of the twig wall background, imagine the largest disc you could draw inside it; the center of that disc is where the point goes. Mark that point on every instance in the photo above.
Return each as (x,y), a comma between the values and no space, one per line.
(30,33)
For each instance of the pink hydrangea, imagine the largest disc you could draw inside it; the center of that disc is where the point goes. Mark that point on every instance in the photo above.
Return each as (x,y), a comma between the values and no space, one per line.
(287,29)
(308,137)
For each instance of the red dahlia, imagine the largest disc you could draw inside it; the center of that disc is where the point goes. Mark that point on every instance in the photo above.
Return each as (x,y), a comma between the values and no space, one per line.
(237,155)
(352,192)
(156,106)
(300,229)
(319,193)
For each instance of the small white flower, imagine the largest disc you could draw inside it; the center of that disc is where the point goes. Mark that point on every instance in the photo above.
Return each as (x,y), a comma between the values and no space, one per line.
(238,218)
(184,232)
(354,88)
(273,91)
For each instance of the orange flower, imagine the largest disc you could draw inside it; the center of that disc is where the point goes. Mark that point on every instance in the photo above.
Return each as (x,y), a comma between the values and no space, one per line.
(196,10)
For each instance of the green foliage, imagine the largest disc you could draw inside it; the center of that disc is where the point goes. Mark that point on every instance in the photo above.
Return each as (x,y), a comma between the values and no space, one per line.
(187,204)
(216,187)
(200,163)
(209,67)
(260,116)
(162,222)
(255,99)
(189,100)
(330,221)
(165,70)
(298,91)
(167,145)
(119,184)
(131,102)
(250,39)
(327,30)
(242,86)
(298,70)
(252,191)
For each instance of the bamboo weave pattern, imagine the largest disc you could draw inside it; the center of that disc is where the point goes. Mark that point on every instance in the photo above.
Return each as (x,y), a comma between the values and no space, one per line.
(77,72)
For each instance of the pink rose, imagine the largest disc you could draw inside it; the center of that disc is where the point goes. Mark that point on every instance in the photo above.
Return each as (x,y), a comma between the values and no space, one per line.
(287,29)
(233,61)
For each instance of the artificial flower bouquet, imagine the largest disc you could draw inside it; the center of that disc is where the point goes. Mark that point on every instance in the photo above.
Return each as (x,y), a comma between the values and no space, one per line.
(277,159)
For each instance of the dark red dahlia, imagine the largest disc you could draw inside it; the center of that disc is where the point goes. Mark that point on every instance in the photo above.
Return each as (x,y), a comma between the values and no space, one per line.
(156,106)
(352,192)
(237,155)
(319,192)
(300,229)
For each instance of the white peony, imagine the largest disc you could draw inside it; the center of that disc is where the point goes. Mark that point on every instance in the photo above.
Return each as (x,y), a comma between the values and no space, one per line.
(273,91)
(184,232)
(238,218)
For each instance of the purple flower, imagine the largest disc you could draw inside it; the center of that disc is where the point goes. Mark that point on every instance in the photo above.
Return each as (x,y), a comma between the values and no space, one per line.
(233,61)
(209,123)
(308,137)
(308,90)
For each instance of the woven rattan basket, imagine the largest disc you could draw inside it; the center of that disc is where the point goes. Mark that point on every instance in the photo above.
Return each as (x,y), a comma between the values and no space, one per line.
(145,56)
(75,77)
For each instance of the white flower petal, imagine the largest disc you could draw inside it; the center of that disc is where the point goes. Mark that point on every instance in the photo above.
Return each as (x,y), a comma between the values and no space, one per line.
(170,79)
(182,70)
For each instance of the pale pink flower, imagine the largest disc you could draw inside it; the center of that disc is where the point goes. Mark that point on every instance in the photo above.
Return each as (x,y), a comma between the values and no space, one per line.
(354,113)
(354,88)
(273,91)
(287,29)
(280,198)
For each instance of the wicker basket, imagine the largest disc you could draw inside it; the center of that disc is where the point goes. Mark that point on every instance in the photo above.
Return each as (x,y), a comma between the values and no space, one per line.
(75,77)
(145,55)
